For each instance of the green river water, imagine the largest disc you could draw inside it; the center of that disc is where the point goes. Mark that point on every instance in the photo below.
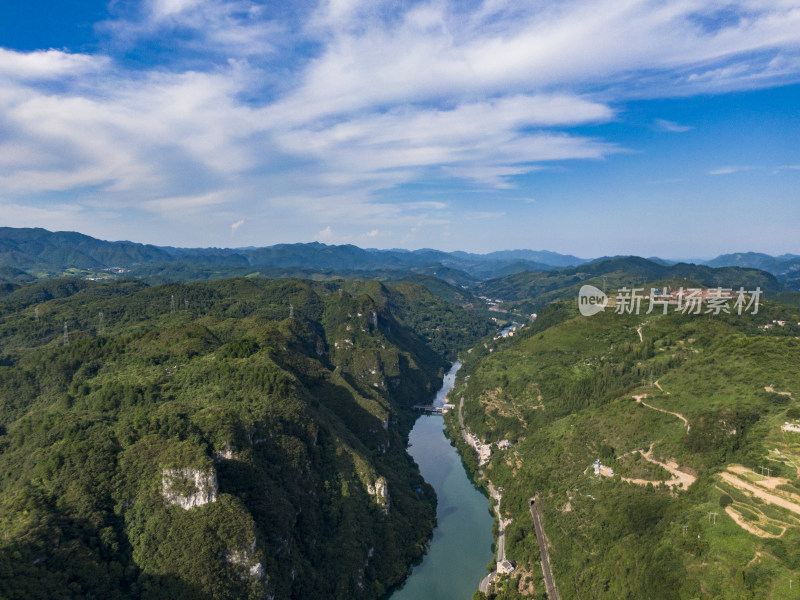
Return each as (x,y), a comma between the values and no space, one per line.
(462,541)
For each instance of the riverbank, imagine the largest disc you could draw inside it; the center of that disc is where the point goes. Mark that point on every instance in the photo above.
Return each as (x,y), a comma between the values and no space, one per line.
(483,452)
(461,544)
(471,450)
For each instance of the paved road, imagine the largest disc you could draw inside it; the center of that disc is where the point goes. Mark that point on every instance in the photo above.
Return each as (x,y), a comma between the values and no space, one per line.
(484,584)
(549,582)
(503,523)
(501,538)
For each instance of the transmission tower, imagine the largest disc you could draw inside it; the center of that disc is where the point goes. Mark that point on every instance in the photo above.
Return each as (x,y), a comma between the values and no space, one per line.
(172,303)
(101,329)
(66,335)
(291,311)
(186,303)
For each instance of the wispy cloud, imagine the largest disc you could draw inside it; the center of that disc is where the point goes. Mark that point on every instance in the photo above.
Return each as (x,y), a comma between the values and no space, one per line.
(671,126)
(729,170)
(177,206)
(232,28)
(329,107)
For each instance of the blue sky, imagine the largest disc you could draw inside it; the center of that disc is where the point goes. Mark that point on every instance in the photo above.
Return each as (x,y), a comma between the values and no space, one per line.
(594,128)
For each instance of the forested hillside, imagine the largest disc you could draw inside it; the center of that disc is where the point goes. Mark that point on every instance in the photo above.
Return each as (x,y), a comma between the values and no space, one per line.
(529,291)
(42,253)
(695,421)
(234,439)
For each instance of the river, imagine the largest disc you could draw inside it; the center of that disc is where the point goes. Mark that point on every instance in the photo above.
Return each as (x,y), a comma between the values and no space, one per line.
(462,541)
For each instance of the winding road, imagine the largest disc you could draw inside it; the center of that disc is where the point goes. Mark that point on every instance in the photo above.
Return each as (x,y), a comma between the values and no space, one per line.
(669,412)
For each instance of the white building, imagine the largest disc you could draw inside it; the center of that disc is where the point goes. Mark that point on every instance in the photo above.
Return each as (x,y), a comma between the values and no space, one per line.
(504,567)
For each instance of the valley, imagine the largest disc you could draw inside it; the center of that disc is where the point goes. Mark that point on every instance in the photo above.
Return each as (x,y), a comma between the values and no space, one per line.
(265,421)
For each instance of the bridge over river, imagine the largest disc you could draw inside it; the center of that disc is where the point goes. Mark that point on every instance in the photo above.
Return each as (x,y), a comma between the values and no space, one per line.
(429,409)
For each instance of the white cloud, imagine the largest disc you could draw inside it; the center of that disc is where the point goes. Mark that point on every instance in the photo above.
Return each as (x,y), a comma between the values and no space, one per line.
(484,141)
(381,95)
(165,8)
(233,28)
(236,225)
(326,235)
(729,170)
(485,214)
(671,126)
(47,64)
(179,206)
(573,43)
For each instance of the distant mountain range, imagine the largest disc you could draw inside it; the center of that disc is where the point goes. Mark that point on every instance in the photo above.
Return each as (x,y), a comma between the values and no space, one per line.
(28,253)
(39,250)
(529,292)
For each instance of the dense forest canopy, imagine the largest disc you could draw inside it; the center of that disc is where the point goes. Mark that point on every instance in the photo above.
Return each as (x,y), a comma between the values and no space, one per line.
(234,439)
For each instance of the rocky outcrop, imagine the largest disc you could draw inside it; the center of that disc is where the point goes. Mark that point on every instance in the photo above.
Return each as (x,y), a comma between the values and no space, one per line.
(246,558)
(380,489)
(226,453)
(188,488)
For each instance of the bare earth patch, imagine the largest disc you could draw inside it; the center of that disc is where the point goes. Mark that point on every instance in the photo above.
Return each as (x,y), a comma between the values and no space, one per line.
(679,477)
(640,400)
(769,388)
(792,505)
(770,483)
(749,527)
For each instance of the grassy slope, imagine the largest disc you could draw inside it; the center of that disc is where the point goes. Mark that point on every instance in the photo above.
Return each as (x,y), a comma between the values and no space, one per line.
(619,540)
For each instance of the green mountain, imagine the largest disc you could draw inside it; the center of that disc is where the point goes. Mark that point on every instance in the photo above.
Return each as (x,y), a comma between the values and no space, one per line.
(12,275)
(231,439)
(44,253)
(699,492)
(23,248)
(754,260)
(785,267)
(529,292)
